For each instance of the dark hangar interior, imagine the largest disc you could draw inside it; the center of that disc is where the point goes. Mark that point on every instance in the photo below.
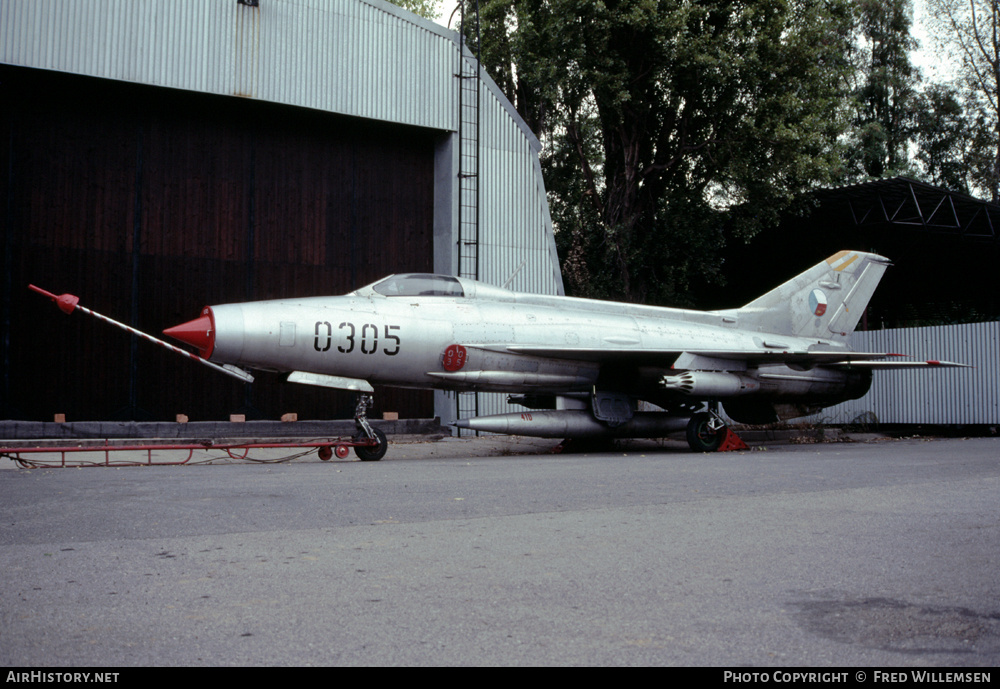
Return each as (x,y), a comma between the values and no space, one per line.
(125,194)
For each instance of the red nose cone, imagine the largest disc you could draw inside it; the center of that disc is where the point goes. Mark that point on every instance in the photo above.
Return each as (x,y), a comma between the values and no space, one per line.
(199,333)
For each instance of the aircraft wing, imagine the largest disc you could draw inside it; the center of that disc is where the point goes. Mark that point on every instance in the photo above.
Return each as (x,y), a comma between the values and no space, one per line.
(681,358)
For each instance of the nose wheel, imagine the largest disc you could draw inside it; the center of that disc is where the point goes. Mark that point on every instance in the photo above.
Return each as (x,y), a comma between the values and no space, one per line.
(374,451)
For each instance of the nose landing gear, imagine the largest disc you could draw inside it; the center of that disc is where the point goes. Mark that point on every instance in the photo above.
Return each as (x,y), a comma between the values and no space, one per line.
(372,443)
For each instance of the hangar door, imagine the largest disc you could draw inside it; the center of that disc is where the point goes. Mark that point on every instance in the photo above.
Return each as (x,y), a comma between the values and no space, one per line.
(149,203)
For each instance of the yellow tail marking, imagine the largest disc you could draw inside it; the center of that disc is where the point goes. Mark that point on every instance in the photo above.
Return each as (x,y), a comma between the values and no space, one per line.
(846,263)
(838,257)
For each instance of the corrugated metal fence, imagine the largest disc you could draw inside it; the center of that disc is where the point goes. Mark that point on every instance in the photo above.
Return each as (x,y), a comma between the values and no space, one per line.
(937,396)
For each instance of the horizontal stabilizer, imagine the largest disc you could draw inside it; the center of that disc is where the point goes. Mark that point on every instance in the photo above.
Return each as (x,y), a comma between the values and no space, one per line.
(897,365)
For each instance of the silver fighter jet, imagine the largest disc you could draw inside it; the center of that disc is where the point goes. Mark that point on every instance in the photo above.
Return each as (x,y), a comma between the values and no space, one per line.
(578,367)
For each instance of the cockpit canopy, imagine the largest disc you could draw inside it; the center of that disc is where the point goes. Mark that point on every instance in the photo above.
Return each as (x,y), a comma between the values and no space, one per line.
(419,285)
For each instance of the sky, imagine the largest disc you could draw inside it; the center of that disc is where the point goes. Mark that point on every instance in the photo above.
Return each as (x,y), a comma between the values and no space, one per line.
(933,67)
(446,9)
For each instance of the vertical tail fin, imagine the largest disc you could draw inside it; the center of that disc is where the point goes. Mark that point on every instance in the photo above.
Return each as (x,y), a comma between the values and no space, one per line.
(824,302)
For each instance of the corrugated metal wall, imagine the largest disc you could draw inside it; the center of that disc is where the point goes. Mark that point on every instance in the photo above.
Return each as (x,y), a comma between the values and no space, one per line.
(311,53)
(936,396)
(511,213)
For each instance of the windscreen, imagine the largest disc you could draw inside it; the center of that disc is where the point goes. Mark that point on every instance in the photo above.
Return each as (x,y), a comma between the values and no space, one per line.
(419,285)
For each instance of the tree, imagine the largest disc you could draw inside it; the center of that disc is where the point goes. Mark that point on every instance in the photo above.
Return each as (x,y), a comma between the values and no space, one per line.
(886,95)
(970,29)
(945,139)
(666,121)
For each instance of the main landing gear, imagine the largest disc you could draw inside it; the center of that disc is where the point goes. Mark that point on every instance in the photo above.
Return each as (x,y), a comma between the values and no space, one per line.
(707,432)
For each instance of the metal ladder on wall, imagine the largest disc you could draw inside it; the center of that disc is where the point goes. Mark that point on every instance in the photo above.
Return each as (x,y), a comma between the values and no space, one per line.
(468,167)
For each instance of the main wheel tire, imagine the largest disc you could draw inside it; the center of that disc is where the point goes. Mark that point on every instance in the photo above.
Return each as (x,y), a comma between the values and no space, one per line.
(701,437)
(372,453)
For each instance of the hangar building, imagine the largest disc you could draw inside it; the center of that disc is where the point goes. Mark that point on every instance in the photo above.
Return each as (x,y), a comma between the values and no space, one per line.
(160,156)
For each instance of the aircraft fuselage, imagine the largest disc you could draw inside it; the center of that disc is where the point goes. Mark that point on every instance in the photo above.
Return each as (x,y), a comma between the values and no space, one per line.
(508,345)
